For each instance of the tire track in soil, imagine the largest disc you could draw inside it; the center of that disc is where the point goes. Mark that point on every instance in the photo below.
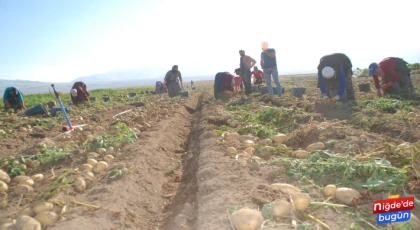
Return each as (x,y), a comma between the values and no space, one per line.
(141,196)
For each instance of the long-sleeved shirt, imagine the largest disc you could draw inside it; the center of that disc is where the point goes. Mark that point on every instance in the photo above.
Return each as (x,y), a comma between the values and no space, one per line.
(341,79)
(6,95)
(388,65)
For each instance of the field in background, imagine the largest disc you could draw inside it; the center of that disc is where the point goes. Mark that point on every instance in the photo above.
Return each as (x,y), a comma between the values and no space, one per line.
(168,166)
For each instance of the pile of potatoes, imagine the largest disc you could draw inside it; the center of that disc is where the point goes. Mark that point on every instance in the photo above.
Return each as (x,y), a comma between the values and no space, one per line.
(250,219)
(22,184)
(93,166)
(248,141)
(40,215)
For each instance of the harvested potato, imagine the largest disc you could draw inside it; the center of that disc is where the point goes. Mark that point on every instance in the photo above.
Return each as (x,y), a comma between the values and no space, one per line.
(282,146)
(23,166)
(88,175)
(266,141)
(279,138)
(46,218)
(300,153)
(19,179)
(231,151)
(301,201)
(250,150)
(247,219)
(101,150)
(281,208)
(92,161)
(110,149)
(284,188)
(37,177)
(27,223)
(86,167)
(346,195)
(315,146)
(42,207)
(79,184)
(3,187)
(34,164)
(8,226)
(29,182)
(330,190)
(248,143)
(232,136)
(100,167)
(22,189)
(92,155)
(108,158)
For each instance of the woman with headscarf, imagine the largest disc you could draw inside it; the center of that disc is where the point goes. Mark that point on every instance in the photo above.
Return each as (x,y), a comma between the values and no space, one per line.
(173,81)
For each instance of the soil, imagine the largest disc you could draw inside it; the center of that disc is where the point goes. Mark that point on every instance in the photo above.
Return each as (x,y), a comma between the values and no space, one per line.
(181,178)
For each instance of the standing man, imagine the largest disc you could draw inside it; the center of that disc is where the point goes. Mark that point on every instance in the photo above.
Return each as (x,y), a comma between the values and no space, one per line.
(13,99)
(269,66)
(394,73)
(258,76)
(246,63)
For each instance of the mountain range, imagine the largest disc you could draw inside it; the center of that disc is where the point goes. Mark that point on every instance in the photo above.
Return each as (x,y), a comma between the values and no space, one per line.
(115,79)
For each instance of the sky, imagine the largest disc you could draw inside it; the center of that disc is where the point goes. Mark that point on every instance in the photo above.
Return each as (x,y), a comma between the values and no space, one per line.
(58,40)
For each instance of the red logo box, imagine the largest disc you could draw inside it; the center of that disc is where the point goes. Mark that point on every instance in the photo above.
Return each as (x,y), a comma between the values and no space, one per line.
(393,205)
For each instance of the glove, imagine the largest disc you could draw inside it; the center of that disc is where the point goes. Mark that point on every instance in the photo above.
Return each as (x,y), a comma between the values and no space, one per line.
(8,106)
(387,85)
(335,99)
(378,92)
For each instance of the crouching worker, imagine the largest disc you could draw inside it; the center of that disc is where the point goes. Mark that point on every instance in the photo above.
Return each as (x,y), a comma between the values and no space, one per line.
(223,84)
(334,78)
(13,99)
(160,88)
(79,93)
(258,76)
(396,76)
(237,81)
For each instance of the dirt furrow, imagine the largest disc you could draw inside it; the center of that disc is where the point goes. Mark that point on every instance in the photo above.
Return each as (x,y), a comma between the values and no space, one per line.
(139,197)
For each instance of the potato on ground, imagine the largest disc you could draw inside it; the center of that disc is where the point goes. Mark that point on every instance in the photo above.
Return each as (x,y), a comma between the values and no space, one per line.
(47,218)
(27,223)
(247,219)
(43,206)
(301,201)
(4,176)
(315,146)
(347,195)
(284,188)
(330,190)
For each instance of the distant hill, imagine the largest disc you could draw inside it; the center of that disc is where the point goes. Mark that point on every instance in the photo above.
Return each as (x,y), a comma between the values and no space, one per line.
(97,81)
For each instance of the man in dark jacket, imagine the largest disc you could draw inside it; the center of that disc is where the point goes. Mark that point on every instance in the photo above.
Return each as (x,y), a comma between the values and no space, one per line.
(335,77)
(396,76)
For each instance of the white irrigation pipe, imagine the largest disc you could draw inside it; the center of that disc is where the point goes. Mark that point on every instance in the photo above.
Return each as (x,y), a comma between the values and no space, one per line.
(122,113)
